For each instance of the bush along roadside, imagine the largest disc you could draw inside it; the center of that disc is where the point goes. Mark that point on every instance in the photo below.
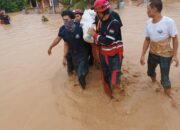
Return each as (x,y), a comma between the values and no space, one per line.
(12,5)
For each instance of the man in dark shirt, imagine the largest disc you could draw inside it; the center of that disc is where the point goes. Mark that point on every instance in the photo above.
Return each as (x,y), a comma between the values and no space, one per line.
(74,46)
(116,16)
(108,38)
(113,14)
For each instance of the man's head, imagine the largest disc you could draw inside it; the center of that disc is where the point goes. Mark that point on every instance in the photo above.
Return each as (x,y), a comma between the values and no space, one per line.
(68,19)
(67,15)
(102,8)
(154,7)
(78,14)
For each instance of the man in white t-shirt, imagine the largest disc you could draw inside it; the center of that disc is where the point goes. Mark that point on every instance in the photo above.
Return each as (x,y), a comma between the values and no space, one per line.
(159,32)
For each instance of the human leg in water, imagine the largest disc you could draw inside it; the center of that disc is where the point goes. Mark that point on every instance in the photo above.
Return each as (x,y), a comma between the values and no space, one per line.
(165,63)
(90,58)
(70,65)
(153,61)
(82,70)
(106,75)
(115,63)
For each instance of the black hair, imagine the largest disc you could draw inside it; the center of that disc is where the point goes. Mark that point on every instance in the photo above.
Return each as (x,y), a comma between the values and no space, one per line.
(156,4)
(106,11)
(68,13)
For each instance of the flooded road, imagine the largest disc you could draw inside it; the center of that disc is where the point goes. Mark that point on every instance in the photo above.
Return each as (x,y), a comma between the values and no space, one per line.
(36,94)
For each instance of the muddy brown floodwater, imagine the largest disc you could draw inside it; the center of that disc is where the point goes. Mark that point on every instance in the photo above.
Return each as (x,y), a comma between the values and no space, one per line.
(36,94)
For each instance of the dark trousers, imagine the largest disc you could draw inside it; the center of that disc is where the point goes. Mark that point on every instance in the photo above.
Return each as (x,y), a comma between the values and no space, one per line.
(111,71)
(164,63)
(77,62)
(70,66)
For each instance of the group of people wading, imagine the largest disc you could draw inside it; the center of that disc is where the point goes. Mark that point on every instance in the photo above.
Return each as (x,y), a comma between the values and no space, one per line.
(160,31)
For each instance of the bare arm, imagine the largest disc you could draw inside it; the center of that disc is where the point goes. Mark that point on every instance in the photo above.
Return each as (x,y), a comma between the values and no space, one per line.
(175,45)
(54,43)
(144,50)
(175,49)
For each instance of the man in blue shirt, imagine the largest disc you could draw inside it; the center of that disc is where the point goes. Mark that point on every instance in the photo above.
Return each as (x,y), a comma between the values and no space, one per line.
(74,47)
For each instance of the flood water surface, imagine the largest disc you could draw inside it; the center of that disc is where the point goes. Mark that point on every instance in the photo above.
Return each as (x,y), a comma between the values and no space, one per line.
(36,93)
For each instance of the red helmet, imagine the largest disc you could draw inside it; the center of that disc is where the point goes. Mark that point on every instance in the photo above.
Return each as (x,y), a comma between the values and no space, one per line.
(78,11)
(101,5)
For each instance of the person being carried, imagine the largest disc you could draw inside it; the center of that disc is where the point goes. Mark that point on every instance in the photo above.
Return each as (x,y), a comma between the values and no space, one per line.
(78,16)
(159,32)
(74,47)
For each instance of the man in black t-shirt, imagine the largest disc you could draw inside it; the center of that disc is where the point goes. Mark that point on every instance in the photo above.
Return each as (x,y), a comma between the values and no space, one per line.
(74,47)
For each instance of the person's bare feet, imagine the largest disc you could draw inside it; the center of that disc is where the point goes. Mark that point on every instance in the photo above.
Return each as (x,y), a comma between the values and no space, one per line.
(159,87)
(169,94)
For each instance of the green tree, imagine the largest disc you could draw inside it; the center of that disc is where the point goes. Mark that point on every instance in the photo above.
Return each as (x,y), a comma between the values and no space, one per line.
(74,4)
(12,5)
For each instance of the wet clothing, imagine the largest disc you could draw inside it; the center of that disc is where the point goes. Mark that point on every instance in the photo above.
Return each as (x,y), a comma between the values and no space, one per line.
(90,54)
(116,16)
(161,53)
(164,63)
(111,67)
(77,57)
(161,30)
(70,66)
(110,45)
(160,35)
(74,40)
(161,48)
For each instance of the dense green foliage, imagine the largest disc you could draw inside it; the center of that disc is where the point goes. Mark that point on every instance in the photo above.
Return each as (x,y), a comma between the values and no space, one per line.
(74,4)
(17,5)
(12,5)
